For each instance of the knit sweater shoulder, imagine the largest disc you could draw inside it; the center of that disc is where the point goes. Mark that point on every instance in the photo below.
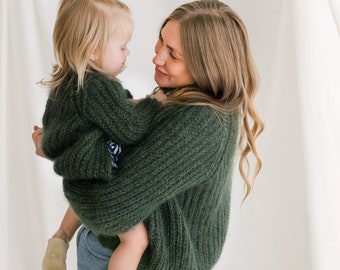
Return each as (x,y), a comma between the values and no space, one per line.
(78,121)
(177,180)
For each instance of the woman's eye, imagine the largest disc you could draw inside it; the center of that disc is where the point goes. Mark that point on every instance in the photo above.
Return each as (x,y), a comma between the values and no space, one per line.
(172,55)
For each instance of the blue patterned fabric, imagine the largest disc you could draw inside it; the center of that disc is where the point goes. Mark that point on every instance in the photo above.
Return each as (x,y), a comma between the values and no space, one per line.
(114,149)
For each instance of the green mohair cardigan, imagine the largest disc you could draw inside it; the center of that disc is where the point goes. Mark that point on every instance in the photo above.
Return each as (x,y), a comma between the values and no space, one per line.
(79,122)
(177,180)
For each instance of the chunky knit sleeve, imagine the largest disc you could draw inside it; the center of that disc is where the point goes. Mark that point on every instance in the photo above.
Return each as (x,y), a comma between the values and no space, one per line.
(181,151)
(105,104)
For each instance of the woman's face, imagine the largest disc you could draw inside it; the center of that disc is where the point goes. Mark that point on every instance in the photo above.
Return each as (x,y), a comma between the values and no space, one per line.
(171,69)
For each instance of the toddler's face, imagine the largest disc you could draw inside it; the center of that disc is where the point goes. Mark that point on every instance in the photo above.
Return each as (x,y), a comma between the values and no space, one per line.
(113,56)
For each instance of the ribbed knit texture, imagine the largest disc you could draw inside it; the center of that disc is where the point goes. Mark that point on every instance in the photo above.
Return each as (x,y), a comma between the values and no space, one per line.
(86,120)
(177,180)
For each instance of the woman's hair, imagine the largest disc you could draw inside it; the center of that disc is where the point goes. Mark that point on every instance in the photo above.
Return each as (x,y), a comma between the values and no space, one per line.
(81,27)
(217,52)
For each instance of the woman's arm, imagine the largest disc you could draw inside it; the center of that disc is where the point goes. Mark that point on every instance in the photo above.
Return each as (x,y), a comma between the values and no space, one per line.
(181,151)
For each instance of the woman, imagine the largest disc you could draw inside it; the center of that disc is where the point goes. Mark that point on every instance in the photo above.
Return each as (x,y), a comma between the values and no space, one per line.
(178,178)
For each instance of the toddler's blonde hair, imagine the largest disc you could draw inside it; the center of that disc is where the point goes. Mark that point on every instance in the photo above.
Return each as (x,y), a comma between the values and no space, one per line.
(81,28)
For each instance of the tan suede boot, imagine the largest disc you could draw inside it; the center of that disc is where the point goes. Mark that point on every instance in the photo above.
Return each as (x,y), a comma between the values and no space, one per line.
(55,256)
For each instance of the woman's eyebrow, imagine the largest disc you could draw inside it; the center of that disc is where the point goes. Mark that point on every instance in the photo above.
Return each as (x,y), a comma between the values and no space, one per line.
(170,47)
(175,51)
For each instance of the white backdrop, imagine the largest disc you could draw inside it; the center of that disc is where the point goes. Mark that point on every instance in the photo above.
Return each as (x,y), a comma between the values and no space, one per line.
(291,220)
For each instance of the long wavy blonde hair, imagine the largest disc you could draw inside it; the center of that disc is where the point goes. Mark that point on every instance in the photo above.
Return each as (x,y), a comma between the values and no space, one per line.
(217,52)
(81,27)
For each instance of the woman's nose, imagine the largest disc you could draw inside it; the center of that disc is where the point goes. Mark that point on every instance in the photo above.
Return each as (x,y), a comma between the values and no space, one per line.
(159,58)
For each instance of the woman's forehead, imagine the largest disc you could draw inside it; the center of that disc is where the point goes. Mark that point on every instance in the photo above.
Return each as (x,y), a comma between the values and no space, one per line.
(171,36)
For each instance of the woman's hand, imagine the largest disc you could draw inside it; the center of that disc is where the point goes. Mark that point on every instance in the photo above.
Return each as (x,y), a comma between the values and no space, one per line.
(36,137)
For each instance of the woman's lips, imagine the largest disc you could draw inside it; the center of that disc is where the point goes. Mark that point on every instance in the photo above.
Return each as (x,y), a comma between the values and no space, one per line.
(159,73)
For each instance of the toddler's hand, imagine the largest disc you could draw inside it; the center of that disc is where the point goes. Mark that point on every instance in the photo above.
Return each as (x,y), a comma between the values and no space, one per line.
(160,96)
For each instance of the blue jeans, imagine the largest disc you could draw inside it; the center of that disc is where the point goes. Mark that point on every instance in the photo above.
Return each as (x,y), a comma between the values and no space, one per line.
(91,255)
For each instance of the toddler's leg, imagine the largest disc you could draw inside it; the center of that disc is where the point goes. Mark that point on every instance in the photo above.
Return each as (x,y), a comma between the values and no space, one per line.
(131,248)
(55,255)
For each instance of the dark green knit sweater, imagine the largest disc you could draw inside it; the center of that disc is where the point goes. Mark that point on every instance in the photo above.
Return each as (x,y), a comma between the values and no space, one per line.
(177,180)
(79,123)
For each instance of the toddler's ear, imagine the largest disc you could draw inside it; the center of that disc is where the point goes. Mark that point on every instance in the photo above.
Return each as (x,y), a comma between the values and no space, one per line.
(94,56)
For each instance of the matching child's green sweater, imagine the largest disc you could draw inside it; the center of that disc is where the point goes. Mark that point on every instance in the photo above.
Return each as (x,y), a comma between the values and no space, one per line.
(84,120)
